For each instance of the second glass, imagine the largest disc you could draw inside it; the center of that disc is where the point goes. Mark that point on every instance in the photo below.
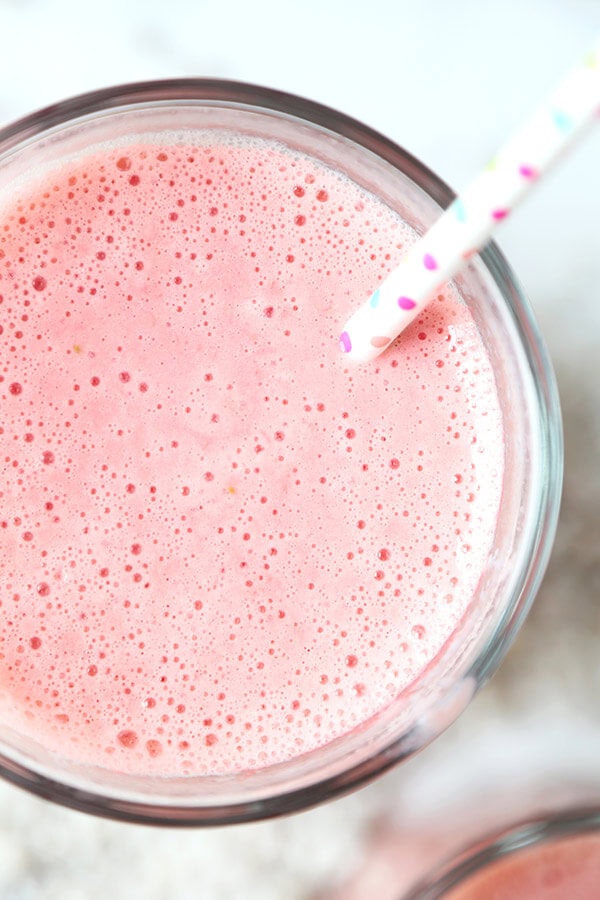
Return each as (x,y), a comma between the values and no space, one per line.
(551,857)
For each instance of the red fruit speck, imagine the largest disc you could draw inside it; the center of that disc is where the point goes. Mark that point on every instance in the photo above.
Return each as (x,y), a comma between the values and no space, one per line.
(127,739)
(351,661)
(39,283)
(48,457)
(124,163)
(35,643)
(154,748)
(16,388)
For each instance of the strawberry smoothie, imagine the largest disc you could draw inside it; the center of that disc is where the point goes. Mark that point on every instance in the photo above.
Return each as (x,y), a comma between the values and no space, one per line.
(221,544)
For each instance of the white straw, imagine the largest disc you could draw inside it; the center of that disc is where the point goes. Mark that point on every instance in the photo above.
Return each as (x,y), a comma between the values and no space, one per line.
(465,227)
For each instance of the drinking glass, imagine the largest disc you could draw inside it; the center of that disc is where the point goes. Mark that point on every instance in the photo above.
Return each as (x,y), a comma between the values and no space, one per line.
(531,486)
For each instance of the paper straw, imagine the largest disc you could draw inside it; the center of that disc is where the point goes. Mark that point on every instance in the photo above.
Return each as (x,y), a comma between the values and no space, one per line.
(465,227)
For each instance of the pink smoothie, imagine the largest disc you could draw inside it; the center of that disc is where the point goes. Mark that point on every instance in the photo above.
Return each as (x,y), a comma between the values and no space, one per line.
(222,545)
(559,870)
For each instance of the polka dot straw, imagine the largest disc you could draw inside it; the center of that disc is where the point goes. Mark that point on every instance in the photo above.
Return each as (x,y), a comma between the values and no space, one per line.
(466,226)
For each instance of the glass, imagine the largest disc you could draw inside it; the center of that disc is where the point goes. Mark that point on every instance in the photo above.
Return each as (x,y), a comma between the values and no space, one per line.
(531,487)
(548,839)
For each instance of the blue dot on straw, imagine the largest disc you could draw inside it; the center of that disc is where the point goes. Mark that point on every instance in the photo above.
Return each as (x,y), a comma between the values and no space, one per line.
(458,208)
(562,120)
(374,301)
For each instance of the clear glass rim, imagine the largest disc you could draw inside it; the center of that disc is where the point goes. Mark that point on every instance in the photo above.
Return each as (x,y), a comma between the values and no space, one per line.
(526,835)
(241,95)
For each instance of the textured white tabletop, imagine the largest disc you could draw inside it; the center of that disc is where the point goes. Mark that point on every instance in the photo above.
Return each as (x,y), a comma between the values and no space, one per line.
(448,80)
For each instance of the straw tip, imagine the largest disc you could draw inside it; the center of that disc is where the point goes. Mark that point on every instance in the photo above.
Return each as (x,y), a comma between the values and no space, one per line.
(365,347)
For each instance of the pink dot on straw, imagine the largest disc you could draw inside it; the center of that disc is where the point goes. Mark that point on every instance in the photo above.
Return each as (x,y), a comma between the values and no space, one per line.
(429,262)
(406,303)
(345,342)
(527,171)
(380,341)
(499,214)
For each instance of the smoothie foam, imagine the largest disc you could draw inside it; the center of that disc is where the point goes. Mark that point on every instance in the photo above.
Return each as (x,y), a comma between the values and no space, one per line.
(221,545)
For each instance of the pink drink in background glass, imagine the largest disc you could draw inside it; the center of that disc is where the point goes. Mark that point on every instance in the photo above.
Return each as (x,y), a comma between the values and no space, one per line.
(565,870)
(223,547)
(545,859)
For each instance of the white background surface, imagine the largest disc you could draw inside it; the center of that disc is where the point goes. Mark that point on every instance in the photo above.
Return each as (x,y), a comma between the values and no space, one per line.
(448,80)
